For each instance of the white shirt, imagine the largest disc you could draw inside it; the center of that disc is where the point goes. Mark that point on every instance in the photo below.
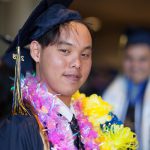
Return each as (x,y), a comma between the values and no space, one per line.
(65,110)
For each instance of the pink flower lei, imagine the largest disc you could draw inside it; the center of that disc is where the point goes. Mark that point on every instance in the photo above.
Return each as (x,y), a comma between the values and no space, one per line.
(57,127)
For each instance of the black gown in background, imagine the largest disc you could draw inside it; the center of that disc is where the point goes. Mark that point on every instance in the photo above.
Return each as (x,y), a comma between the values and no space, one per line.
(20,133)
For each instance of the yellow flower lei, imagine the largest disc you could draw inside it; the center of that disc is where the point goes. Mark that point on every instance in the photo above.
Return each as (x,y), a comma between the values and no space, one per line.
(114,137)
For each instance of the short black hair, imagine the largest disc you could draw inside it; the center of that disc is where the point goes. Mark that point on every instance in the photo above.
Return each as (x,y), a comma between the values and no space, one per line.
(52,36)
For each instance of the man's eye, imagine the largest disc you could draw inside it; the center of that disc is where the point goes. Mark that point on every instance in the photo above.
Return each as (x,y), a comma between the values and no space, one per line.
(65,51)
(85,55)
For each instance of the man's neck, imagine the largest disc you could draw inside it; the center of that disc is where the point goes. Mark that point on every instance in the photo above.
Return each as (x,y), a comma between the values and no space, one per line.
(65,99)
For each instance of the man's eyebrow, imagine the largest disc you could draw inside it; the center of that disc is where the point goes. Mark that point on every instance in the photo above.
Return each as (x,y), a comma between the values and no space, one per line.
(70,44)
(65,43)
(88,47)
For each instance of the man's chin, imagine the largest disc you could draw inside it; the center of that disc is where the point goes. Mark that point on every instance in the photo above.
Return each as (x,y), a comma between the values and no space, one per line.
(70,93)
(138,80)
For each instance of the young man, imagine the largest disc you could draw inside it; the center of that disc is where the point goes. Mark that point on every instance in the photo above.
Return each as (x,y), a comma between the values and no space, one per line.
(73,50)
(131,103)
(61,47)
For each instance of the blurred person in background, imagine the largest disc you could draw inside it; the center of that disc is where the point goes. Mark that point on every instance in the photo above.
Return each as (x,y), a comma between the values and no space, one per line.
(129,93)
(99,79)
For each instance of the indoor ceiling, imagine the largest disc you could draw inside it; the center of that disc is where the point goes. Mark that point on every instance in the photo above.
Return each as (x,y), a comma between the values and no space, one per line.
(116,11)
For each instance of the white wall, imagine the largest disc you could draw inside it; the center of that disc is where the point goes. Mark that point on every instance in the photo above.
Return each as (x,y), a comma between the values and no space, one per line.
(16,12)
(13,15)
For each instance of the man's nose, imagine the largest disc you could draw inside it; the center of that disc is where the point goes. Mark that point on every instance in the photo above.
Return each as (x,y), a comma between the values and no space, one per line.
(76,62)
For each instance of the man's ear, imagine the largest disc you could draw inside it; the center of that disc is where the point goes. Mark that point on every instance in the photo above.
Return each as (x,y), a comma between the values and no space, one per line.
(35,50)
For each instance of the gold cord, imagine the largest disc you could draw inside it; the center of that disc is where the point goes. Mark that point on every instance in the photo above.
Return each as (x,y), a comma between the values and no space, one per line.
(18,105)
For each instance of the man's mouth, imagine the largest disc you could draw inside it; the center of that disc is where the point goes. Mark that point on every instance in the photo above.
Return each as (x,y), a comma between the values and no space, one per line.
(73,77)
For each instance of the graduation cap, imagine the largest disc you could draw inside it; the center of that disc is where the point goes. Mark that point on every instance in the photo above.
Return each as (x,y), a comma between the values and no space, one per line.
(134,35)
(45,16)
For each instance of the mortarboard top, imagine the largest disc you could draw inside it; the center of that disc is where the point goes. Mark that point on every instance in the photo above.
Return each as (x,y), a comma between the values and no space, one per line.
(45,16)
(137,36)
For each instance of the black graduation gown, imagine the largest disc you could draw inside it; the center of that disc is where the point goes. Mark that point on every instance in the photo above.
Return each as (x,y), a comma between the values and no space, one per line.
(20,133)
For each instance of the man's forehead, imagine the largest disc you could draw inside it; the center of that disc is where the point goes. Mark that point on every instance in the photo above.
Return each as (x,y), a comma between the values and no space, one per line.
(138,47)
(73,28)
(74,33)
(60,42)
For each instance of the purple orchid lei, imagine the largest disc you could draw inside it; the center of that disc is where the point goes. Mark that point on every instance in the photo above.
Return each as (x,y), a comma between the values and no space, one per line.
(57,127)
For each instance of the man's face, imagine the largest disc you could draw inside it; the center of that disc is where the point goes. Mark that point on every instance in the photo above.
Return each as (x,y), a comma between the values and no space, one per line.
(65,66)
(136,62)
